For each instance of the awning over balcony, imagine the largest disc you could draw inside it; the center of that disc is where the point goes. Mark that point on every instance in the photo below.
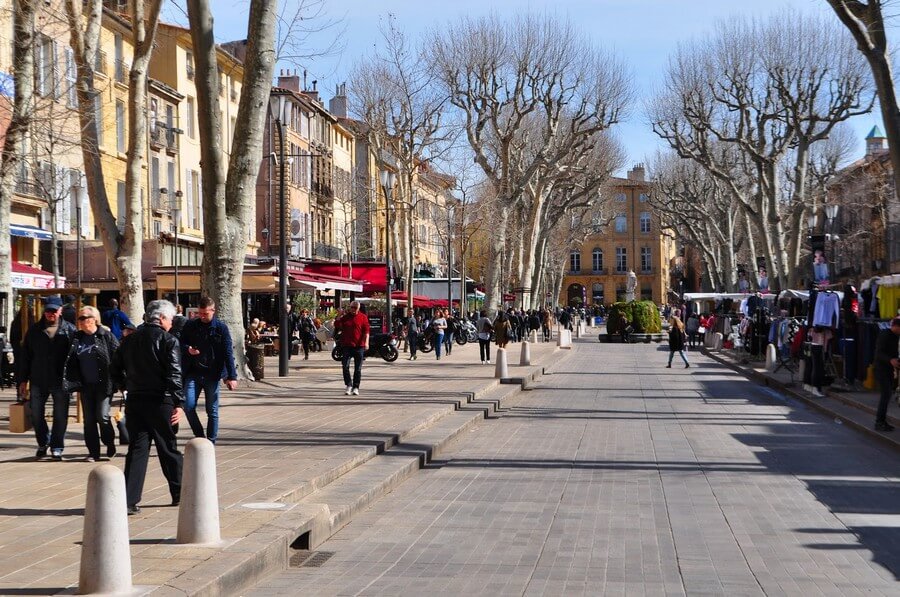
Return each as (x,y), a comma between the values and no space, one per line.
(26,231)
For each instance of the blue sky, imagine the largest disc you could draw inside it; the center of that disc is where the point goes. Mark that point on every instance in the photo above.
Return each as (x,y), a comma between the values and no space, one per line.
(642,32)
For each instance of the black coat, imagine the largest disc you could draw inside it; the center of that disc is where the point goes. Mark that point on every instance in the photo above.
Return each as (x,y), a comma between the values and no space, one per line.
(106,345)
(148,363)
(676,339)
(41,360)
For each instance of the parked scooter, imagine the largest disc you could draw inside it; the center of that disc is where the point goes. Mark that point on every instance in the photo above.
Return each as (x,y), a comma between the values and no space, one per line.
(380,345)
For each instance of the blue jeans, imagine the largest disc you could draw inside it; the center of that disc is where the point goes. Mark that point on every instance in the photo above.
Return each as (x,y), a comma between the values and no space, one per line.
(681,353)
(192,386)
(357,354)
(438,343)
(38,402)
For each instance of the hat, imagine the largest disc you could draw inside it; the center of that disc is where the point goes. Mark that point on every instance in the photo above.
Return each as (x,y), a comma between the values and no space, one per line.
(52,303)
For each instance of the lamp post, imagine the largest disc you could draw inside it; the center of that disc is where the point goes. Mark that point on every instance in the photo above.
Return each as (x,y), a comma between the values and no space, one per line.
(387,184)
(176,216)
(276,104)
(79,257)
(831,212)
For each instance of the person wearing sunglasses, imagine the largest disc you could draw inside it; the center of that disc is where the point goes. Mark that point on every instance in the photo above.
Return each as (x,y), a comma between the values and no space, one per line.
(87,370)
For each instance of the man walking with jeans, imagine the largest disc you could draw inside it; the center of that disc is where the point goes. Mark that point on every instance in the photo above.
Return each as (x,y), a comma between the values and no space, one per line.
(354,327)
(207,358)
(887,360)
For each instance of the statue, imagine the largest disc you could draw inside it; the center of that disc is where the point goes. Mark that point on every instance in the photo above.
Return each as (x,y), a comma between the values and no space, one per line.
(630,286)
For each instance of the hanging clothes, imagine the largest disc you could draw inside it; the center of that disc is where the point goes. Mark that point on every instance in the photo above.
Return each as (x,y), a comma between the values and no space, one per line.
(827,311)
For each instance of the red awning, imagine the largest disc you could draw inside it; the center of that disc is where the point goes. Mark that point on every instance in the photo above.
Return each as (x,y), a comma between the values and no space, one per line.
(443,302)
(418,299)
(26,276)
(372,275)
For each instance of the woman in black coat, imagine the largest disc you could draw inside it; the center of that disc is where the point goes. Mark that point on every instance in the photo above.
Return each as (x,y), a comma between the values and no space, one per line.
(676,341)
(87,370)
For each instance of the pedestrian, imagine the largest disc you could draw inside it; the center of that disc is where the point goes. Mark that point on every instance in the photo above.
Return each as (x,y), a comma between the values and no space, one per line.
(293,331)
(450,332)
(484,327)
(439,325)
(534,322)
(691,327)
(887,362)
(676,340)
(207,357)
(354,339)
(42,360)
(115,319)
(412,333)
(177,323)
(704,328)
(624,326)
(148,366)
(307,332)
(564,319)
(546,323)
(501,329)
(87,369)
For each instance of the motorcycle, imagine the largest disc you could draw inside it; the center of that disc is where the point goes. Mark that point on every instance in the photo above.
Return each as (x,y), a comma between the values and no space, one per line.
(468,331)
(381,345)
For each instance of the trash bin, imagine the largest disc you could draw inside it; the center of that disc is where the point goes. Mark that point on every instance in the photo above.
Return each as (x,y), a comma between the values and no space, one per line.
(255,360)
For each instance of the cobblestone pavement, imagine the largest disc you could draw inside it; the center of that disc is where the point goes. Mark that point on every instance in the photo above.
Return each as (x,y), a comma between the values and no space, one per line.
(617,476)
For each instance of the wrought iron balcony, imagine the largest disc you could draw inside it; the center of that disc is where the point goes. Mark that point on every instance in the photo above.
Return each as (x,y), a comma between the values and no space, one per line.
(326,251)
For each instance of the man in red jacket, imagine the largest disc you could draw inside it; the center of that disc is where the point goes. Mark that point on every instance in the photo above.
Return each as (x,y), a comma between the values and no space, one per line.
(354,340)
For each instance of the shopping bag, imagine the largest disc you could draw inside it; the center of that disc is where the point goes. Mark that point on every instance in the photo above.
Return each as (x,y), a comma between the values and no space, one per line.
(19,417)
(119,417)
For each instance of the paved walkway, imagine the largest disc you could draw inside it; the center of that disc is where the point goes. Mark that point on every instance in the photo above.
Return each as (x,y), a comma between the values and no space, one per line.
(617,476)
(280,439)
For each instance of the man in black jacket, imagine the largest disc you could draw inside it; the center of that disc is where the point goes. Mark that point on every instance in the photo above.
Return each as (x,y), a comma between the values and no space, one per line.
(887,360)
(42,358)
(148,365)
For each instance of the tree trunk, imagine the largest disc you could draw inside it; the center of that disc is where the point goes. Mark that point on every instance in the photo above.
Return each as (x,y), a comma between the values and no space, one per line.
(493,293)
(228,204)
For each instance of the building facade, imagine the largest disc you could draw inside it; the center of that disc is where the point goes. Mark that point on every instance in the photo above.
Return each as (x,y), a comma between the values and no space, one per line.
(598,267)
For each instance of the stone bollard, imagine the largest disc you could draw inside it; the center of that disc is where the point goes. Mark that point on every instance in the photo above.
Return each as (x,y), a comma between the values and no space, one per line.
(501,369)
(565,339)
(198,513)
(717,341)
(771,357)
(525,357)
(105,551)
(533,338)
(578,331)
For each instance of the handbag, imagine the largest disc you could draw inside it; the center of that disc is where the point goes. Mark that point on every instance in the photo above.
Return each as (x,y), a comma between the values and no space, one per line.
(701,329)
(119,417)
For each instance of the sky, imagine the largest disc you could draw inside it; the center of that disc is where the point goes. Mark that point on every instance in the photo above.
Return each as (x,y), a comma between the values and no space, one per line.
(643,33)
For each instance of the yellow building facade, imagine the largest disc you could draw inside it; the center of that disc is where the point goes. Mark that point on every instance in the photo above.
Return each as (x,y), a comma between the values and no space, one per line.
(598,267)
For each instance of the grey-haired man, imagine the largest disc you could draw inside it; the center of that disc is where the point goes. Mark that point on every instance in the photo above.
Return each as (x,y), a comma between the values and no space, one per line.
(148,365)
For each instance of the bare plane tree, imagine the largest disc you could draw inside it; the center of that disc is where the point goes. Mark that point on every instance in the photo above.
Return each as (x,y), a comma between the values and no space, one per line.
(504,76)
(228,200)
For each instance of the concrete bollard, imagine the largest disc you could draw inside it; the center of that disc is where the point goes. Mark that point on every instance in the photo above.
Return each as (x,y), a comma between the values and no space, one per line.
(533,338)
(717,341)
(105,551)
(565,339)
(525,357)
(578,331)
(771,357)
(198,512)
(501,369)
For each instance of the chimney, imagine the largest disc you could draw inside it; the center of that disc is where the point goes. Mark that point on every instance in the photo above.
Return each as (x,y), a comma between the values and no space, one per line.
(313,94)
(338,104)
(289,81)
(636,173)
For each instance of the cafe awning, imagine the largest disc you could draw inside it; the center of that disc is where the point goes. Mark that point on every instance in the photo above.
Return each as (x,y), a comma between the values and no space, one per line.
(26,276)
(26,231)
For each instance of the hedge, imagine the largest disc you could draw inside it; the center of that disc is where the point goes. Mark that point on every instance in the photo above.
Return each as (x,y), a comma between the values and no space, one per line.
(643,316)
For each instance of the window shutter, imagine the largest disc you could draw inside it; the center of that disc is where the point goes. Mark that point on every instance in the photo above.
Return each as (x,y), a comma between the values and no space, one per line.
(61,196)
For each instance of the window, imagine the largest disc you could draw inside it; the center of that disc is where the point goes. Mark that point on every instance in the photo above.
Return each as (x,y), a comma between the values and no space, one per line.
(155,195)
(120,126)
(646,259)
(198,201)
(621,260)
(189,65)
(157,228)
(120,58)
(98,117)
(645,221)
(120,205)
(189,196)
(620,197)
(575,261)
(45,66)
(597,259)
(621,223)
(71,79)
(646,293)
(643,197)
(190,117)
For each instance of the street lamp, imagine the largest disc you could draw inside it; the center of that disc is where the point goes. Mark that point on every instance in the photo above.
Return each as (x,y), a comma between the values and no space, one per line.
(276,105)
(387,184)
(79,259)
(831,212)
(811,220)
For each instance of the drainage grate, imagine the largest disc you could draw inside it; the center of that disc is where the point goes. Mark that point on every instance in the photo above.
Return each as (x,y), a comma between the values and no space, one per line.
(310,559)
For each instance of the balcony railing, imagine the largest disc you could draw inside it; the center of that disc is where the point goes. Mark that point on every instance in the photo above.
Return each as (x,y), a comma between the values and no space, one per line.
(25,186)
(647,270)
(157,202)
(574,272)
(599,272)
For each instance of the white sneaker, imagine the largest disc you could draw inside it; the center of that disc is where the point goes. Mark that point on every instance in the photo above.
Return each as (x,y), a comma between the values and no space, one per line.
(487,362)
(356,391)
(348,390)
